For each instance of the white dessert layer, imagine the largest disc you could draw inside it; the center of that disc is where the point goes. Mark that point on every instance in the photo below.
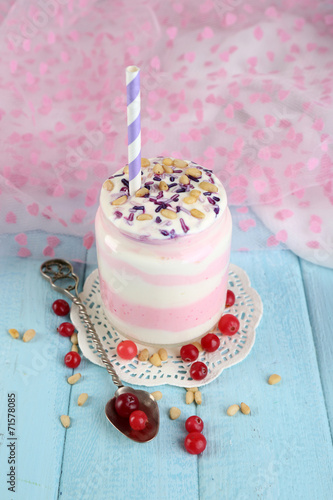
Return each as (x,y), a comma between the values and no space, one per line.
(160,280)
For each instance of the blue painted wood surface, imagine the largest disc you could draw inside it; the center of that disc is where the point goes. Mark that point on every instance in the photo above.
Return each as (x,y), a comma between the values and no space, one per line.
(282,450)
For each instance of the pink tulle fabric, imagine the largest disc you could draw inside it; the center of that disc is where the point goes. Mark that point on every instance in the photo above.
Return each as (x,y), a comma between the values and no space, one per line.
(244,88)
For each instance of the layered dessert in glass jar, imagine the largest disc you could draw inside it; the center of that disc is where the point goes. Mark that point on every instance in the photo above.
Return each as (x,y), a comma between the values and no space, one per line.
(163,253)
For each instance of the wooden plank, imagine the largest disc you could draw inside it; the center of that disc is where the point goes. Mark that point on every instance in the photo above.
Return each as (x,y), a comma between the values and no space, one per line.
(101,463)
(318,285)
(36,372)
(283,449)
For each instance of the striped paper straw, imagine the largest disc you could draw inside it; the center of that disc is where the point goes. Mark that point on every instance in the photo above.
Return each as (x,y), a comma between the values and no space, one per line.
(133,128)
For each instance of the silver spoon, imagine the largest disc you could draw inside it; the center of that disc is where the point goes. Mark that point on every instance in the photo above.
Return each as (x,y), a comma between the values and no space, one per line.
(61,270)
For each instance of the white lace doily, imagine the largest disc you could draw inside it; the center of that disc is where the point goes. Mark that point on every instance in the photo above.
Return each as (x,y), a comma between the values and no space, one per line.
(248,309)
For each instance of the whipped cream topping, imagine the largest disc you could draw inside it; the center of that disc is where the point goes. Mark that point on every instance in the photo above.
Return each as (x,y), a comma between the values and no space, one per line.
(177,198)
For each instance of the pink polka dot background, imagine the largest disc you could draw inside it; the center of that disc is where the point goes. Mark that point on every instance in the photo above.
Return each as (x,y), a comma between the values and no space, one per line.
(244,88)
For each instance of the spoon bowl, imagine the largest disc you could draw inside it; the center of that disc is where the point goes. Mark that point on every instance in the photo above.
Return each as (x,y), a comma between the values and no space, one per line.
(147,404)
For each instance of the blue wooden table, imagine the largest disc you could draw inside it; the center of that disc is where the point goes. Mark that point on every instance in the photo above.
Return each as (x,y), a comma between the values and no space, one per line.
(283,450)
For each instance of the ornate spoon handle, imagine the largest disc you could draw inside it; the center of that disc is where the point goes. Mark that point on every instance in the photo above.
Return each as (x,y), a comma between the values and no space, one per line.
(58,269)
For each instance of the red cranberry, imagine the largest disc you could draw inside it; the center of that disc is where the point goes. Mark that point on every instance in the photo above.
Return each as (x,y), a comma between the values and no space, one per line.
(127,349)
(126,403)
(230,299)
(138,420)
(195,443)
(189,352)
(66,329)
(60,307)
(210,342)
(72,359)
(198,370)
(194,424)
(229,324)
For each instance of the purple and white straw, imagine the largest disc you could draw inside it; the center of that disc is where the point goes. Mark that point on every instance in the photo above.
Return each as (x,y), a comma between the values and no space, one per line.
(133,127)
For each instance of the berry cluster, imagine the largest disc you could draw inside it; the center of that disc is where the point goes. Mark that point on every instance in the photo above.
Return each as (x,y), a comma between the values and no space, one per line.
(195,442)
(61,308)
(127,406)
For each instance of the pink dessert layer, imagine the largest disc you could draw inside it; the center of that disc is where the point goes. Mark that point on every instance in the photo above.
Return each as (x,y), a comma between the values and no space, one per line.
(176,318)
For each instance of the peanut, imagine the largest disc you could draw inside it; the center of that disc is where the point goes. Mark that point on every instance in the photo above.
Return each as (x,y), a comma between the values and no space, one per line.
(195,192)
(174,413)
(157,395)
(167,162)
(189,398)
(245,409)
(82,399)
(158,169)
(126,169)
(198,397)
(180,163)
(232,410)
(163,186)
(14,333)
(192,389)
(163,354)
(145,162)
(75,348)
(190,199)
(74,378)
(28,335)
(144,217)
(196,213)
(208,186)
(167,168)
(120,201)
(274,379)
(183,179)
(143,355)
(194,172)
(108,185)
(155,359)
(198,346)
(169,214)
(141,192)
(74,339)
(65,420)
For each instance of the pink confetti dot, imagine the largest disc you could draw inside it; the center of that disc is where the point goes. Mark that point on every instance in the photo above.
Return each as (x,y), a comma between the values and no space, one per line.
(313,244)
(155,63)
(23,252)
(78,216)
(260,185)
(11,218)
(207,33)
(48,251)
(51,37)
(246,224)
(88,240)
(258,33)
(33,209)
(229,111)
(21,239)
(272,241)
(282,235)
(283,214)
(189,56)
(230,19)
(53,241)
(172,32)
